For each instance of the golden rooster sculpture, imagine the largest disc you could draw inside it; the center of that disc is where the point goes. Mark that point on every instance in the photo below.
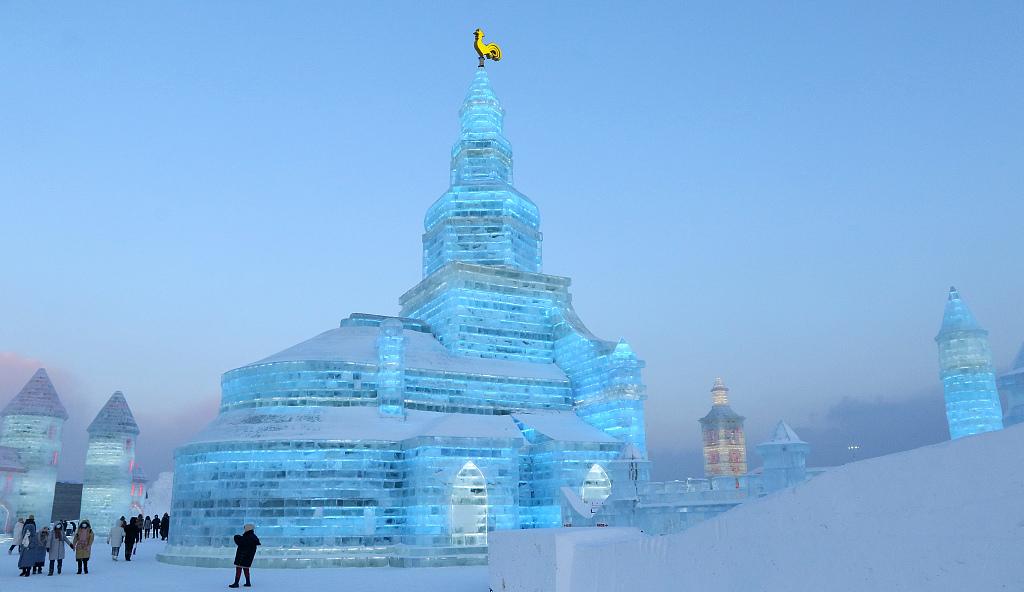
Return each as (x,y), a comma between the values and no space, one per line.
(490,51)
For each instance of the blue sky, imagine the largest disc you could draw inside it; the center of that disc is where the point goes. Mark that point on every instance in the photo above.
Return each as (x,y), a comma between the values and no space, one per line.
(775,193)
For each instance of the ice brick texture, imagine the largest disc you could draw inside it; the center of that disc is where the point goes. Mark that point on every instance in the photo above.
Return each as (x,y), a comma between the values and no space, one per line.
(33,423)
(965,366)
(406,440)
(109,463)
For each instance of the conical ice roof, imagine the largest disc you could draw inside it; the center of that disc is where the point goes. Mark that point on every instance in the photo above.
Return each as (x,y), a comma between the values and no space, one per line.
(957,316)
(37,397)
(115,417)
(785,435)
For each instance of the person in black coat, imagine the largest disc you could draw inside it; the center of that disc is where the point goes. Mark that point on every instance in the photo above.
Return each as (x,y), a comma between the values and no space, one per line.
(165,526)
(247,543)
(131,536)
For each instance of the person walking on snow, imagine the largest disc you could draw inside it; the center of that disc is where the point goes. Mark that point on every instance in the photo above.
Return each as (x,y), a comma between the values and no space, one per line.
(82,544)
(19,527)
(147,525)
(115,538)
(246,552)
(29,548)
(165,526)
(131,536)
(55,548)
(156,527)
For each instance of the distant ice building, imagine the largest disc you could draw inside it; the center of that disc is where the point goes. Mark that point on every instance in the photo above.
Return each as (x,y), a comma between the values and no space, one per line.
(33,423)
(1011,385)
(109,462)
(672,506)
(405,441)
(968,378)
(11,471)
(725,446)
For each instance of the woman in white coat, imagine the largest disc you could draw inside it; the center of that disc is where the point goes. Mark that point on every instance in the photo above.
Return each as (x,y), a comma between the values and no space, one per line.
(18,529)
(115,538)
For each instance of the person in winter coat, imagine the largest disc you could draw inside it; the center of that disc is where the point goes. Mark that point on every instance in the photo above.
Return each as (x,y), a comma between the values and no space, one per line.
(165,526)
(19,527)
(246,552)
(131,536)
(147,525)
(55,548)
(30,548)
(115,538)
(156,526)
(39,556)
(82,543)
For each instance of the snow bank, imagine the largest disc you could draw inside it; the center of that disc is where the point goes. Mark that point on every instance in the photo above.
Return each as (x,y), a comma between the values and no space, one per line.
(542,559)
(943,517)
(158,497)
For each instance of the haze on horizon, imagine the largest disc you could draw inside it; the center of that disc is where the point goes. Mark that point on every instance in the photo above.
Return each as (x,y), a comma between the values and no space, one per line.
(778,195)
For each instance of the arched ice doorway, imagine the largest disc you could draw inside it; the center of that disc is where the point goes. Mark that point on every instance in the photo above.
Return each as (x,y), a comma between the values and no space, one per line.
(596,485)
(469,507)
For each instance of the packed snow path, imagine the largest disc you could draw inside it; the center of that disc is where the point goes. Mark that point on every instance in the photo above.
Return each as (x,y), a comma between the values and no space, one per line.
(145,573)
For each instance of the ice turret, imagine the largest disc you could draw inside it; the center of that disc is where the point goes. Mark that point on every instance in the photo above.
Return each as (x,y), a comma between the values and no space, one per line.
(109,462)
(482,219)
(725,446)
(33,424)
(965,363)
(785,458)
(1011,385)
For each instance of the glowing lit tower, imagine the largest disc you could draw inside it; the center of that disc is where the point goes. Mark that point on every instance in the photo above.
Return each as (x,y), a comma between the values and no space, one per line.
(965,366)
(1011,384)
(725,447)
(109,463)
(33,423)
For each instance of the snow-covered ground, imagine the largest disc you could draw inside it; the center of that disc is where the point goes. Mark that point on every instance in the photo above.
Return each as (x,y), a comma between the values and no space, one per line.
(948,517)
(144,573)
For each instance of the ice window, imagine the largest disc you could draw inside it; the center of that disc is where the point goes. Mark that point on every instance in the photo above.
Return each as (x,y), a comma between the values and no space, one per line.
(469,507)
(596,486)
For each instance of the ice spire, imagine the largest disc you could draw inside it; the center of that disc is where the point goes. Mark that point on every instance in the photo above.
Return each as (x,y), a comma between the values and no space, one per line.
(482,219)
(115,417)
(37,397)
(719,393)
(33,424)
(109,462)
(965,367)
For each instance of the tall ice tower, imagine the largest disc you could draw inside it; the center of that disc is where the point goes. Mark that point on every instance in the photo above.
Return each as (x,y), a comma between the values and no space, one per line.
(965,366)
(1011,385)
(109,462)
(725,446)
(33,424)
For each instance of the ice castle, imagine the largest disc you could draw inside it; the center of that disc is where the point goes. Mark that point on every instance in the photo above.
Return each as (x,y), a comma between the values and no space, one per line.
(968,377)
(405,440)
(32,424)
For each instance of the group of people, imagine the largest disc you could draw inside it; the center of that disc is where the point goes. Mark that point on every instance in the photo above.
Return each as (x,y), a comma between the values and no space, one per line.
(129,533)
(34,546)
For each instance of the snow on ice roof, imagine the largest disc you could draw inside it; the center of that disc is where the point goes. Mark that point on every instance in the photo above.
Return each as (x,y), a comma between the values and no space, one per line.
(37,397)
(10,462)
(784,433)
(115,417)
(565,426)
(422,352)
(351,423)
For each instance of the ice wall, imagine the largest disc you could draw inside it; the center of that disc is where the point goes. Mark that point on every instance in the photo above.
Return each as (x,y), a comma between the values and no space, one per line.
(1011,385)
